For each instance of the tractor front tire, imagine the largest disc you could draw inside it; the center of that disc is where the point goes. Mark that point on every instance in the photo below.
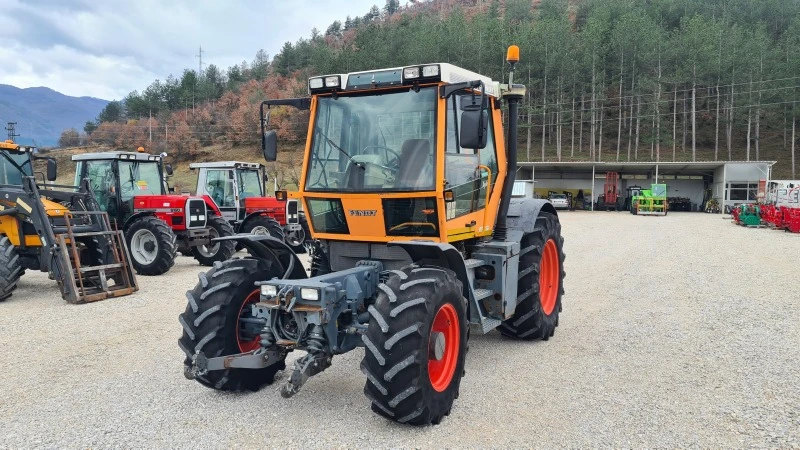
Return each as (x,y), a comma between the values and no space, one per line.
(540,282)
(152,245)
(416,344)
(10,268)
(206,255)
(211,322)
(262,225)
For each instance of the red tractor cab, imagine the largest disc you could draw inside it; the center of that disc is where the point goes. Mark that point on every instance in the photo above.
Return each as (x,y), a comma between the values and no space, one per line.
(131,187)
(238,189)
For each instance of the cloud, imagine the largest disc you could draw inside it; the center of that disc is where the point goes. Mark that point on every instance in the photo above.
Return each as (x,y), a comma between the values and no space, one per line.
(107,49)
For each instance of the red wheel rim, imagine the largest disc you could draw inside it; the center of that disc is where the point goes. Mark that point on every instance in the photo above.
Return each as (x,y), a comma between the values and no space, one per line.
(549,276)
(247,345)
(447,323)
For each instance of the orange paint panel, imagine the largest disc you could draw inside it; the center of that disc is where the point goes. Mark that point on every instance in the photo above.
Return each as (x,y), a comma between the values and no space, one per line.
(364,215)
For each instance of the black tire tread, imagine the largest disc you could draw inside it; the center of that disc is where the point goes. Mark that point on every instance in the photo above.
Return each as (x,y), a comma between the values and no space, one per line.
(395,357)
(211,311)
(529,321)
(10,268)
(167,248)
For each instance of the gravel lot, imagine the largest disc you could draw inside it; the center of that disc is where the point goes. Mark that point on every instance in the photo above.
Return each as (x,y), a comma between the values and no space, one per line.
(676,331)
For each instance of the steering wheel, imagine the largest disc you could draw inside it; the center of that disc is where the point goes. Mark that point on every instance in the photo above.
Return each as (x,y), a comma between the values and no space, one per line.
(392,164)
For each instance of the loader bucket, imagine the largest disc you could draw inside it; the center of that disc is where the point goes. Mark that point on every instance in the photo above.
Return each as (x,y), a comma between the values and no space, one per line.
(106,273)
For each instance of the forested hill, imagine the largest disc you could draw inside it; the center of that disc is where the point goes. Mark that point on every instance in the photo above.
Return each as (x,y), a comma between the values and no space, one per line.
(607,79)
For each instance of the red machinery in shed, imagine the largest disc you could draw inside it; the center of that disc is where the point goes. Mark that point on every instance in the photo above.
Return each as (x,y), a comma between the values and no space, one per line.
(608,199)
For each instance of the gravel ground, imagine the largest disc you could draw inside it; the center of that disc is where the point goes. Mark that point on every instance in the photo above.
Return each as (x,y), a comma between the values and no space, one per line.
(676,331)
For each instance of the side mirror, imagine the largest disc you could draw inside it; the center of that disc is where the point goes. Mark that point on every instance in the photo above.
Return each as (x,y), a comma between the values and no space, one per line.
(52,169)
(269,145)
(168,168)
(473,128)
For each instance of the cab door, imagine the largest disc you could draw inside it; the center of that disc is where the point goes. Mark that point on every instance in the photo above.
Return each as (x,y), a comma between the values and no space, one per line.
(220,185)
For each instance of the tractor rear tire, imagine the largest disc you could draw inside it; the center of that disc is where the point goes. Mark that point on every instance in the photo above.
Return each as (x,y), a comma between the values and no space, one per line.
(302,247)
(416,344)
(264,225)
(10,268)
(216,251)
(540,282)
(152,245)
(211,322)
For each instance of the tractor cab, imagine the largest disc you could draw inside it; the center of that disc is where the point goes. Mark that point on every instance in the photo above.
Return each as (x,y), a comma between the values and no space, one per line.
(402,153)
(117,177)
(229,184)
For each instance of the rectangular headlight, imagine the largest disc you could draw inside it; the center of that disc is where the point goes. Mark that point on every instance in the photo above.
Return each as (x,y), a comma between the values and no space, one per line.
(310,294)
(315,83)
(411,73)
(268,290)
(332,81)
(430,71)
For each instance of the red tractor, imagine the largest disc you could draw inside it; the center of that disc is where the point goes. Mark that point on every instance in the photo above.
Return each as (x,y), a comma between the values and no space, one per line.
(238,190)
(131,188)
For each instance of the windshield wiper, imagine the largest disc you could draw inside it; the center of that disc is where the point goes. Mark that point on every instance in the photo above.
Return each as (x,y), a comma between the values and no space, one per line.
(329,141)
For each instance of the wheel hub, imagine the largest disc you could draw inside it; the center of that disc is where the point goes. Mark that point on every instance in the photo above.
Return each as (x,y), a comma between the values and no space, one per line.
(149,246)
(259,230)
(438,345)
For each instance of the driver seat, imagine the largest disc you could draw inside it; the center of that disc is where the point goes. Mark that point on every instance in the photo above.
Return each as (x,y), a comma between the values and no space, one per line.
(415,165)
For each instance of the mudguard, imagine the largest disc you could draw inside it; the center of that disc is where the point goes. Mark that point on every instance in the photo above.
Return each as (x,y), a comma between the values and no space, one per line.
(268,248)
(438,254)
(522,213)
(135,217)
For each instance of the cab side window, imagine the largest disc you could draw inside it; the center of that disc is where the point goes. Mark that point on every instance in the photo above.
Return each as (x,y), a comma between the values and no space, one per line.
(219,185)
(470,173)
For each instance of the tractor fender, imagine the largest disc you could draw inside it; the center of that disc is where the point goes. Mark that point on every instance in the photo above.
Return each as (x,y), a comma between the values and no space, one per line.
(136,217)
(522,214)
(438,254)
(211,205)
(268,248)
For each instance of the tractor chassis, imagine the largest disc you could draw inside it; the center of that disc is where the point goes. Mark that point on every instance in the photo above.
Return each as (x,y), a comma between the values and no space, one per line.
(193,238)
(338,319)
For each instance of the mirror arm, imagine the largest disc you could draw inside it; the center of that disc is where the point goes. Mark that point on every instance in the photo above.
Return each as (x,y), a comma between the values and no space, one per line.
(450,89)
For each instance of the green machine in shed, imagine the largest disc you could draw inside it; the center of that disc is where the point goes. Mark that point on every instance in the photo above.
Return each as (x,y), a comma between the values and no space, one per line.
(650,202)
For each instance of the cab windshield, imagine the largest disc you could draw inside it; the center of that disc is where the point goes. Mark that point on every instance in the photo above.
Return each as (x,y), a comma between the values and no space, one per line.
(374,142)
(9,174)
(139,178)
(249,183)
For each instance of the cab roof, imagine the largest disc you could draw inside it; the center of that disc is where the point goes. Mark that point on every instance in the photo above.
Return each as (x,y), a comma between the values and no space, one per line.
(116,155)
(12,146)
(395,76)
(225,165)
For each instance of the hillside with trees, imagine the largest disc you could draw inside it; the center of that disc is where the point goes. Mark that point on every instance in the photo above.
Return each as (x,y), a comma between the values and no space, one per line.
(608,80)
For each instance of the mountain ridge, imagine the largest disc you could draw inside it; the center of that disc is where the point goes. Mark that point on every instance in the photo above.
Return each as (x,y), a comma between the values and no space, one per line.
(42,113)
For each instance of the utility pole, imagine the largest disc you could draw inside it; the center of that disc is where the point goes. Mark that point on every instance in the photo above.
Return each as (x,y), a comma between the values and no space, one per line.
(199,61)
(199,71)
(11,127)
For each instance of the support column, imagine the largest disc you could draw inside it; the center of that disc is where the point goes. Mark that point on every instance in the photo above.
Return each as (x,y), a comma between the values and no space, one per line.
(591,197)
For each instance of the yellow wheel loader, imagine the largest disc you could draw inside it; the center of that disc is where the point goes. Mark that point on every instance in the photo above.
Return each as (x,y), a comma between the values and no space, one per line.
(59,230)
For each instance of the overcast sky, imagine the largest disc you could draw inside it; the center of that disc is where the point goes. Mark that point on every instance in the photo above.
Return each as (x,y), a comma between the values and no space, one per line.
(108,48)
